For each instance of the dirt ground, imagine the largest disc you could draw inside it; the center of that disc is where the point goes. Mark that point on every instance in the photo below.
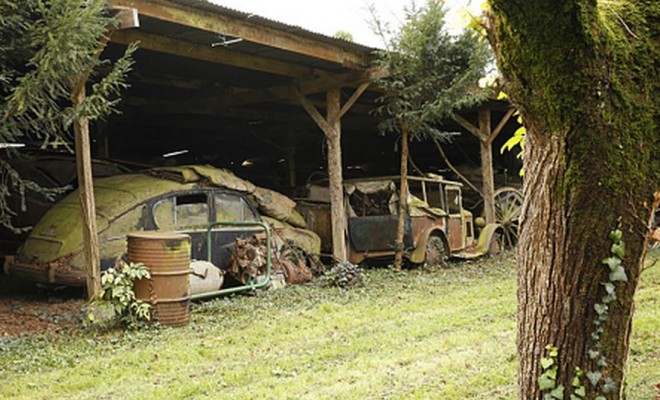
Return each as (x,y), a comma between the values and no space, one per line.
(26,308)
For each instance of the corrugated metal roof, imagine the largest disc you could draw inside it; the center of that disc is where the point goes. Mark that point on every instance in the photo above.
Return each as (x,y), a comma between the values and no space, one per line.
(263,21)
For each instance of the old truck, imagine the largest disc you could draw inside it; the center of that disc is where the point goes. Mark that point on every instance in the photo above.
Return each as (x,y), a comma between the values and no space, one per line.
(436,226)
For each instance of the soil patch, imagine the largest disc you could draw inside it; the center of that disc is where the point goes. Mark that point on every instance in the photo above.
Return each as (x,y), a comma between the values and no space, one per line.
(26,308)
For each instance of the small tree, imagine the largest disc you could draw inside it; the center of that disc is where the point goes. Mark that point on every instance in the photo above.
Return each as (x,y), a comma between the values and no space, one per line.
(430,74)
(47,47)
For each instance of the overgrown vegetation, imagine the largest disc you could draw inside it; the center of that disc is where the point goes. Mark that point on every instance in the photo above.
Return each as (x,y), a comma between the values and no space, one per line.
(116,303)
(47,49)
(441,333)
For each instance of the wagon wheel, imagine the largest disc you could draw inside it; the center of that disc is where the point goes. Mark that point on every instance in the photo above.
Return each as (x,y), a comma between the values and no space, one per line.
(436,252)
(508,203)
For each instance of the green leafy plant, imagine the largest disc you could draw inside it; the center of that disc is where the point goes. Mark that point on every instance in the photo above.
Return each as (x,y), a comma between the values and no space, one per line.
(116,302)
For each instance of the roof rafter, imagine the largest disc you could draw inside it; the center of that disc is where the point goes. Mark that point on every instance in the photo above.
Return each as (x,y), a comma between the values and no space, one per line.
(217,23)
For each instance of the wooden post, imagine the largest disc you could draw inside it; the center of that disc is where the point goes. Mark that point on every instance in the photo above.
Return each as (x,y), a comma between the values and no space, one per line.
(337,211)
(86,190)
(486,137)
(488,182)
(403,199)
(331,127)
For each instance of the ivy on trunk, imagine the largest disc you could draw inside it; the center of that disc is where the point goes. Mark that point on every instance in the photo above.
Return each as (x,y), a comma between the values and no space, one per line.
(584,75)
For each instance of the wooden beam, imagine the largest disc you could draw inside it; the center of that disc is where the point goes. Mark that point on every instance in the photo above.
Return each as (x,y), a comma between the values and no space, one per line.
(501,125)
(242,28)
(216,55)
(325,126)
(467,125)
(351,101)
(305,86)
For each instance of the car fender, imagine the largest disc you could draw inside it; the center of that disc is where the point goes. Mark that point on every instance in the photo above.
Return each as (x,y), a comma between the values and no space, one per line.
(486,236)
(417,256)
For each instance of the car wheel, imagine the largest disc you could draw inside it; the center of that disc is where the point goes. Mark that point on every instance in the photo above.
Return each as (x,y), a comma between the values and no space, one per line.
(496,245)
(436,252)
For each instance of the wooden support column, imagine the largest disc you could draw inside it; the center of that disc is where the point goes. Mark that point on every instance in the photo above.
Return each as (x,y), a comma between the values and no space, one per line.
(488,185)
(86,191)
(331,127)
(337,210)
(486,137)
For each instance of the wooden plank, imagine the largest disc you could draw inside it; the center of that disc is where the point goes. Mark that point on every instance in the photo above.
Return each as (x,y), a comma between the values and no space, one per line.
(86,191)
(216,55)
(245,29)
(314,113)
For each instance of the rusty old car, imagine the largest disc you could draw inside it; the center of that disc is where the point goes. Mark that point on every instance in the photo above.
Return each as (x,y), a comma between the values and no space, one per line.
(184,199)
(436,226)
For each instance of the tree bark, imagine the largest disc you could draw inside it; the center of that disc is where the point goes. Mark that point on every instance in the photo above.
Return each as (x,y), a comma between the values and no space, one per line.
(403,199)
(591,166)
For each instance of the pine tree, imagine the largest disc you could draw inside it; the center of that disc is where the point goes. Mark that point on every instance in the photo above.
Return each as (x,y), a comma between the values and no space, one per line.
(46,48)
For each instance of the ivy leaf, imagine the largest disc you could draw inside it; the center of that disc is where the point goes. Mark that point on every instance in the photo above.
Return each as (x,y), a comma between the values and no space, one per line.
(594,377)
(616,235)
(600,308)
(619,275)
(608,298)
(581,392)
(547,362)
(609,386)
(612,262)
(618,250)
(602,362)
(558,393)
(592,355)
(609,287)
(600,398)
(545,382)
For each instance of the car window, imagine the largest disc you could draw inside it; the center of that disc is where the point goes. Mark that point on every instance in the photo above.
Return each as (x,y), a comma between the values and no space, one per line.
(453,200)
(182,211)
(434,195)
(231,207)
(416,188)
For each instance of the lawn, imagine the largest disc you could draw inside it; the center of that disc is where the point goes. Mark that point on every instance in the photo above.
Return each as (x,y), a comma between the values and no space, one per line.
(420,334)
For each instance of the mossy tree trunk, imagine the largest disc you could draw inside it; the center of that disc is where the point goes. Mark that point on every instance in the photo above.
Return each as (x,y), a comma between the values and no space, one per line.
(585,78)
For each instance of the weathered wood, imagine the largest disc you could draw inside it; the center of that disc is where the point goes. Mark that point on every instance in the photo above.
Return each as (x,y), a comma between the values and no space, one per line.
(216,55)
(488,183)
(403,199)
(305,86)
(354,97)
(86,191)
(337,211)
(212,22)
(467,125)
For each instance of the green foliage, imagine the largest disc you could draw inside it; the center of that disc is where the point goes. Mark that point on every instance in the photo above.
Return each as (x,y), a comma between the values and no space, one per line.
(429,72)
(116,302)
(46,48)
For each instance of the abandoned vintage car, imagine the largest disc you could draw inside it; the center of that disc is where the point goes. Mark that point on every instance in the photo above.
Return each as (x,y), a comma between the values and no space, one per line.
(181,199)
(436,226)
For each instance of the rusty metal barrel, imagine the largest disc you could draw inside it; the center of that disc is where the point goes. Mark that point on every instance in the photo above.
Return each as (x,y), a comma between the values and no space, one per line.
(167,255)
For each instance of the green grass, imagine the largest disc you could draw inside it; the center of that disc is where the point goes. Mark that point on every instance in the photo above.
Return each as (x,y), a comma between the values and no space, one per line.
(445,334)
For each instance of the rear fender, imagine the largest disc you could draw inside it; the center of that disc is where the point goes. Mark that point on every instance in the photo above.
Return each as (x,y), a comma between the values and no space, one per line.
(486,235)
(418,255)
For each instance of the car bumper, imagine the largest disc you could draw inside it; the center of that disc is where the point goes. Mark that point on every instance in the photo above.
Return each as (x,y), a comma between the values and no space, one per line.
(51,273)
